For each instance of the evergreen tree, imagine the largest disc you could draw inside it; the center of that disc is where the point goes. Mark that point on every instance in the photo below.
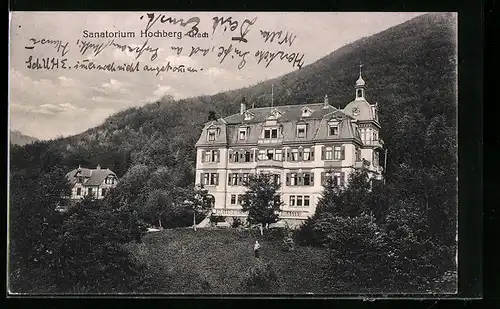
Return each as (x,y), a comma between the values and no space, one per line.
(262,199)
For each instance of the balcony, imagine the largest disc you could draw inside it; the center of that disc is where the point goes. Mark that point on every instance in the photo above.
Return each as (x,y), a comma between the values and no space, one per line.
(358,164)
(376,143)
(269,163)
(229,212)
(294,214)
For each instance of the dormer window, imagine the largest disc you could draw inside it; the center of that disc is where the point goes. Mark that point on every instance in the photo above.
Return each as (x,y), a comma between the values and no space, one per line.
(242,134)
(270,133)
(306,112)
(301,130)
(248,116)
(333,129)
(276,113)
(211,136)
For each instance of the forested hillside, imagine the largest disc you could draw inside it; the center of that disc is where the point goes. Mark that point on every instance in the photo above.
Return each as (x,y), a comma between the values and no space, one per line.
(409,69)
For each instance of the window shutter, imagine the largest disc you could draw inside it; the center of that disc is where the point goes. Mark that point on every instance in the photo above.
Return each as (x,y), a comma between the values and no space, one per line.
(301,153)
(242,157)
(342,178)
(322,152)
(229,179)
(342,153)
(300,179)
(288,155)
(251,156)
(203,156)
(218,156)
(312,179)
(230,156)
(217,179)
(287,179)
(240,178)
(202,178)
(312,153)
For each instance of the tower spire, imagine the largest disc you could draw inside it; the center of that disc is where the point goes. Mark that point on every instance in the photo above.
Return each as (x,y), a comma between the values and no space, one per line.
(360,85)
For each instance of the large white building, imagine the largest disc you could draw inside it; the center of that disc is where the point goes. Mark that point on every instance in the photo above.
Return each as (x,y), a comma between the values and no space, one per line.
(297,143)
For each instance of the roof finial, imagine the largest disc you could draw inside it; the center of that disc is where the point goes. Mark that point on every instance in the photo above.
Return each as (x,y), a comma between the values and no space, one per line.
(360,66)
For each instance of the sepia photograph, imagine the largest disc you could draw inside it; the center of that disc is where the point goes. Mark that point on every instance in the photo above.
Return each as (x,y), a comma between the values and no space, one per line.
(232,153)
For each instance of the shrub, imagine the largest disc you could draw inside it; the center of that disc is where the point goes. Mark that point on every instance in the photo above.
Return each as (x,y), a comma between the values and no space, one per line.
(261,278)
(236,222)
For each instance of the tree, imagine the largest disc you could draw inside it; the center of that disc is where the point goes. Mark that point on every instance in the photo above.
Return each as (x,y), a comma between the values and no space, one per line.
(262,199)
(199,202)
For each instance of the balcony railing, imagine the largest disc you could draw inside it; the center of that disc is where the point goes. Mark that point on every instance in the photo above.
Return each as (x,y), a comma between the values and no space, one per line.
(375,143)
(294,214)
(358,164)
(229,212)
(269,163)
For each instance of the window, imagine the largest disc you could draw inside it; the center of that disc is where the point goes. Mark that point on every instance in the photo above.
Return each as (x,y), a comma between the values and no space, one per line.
(307,154)
(299,200)
(211,135)
(248,116)
(210,179)
(240,199)
(337,153)
(211,156)
(267,133)
(375,136)
(358,154)
(294,179)
(271,133)
(306,200)
(306,112)
(295,155)
(270,154)
(262,155)
(278,154)
(274,133)
(233,179)
(375,158)
(80,179)
(301,130)
(307,179)
(103,192)
(333,130)
(248,156)
(91,191)
(233,199)
(338,178)
(277,178)
(328,153)
(245,177)
(243,134)
(359,93)
(78,191)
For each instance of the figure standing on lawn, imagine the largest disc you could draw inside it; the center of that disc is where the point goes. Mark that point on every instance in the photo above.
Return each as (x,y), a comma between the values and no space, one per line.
(256,249)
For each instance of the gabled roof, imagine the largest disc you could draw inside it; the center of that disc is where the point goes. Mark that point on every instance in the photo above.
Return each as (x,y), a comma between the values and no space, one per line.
(94,177)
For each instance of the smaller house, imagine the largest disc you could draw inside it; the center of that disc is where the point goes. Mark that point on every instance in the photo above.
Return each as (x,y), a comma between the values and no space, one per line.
(86,181)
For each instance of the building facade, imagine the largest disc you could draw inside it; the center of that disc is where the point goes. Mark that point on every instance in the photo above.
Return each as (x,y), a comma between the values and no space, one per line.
(95,182)
(301,145)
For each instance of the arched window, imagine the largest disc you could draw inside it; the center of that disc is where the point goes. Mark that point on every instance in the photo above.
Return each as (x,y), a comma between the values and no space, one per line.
(360,93)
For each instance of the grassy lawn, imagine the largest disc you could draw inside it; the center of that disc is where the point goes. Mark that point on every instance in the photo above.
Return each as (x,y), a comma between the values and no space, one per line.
(215,261)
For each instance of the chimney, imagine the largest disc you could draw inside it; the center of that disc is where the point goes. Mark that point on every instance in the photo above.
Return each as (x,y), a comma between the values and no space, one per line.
(243,106)
(326,101)
(98,167)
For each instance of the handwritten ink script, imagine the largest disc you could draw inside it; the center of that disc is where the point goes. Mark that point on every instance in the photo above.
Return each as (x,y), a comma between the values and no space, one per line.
(248,43)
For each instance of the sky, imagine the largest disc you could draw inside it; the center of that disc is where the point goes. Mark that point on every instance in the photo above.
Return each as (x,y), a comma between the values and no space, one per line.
(52,101)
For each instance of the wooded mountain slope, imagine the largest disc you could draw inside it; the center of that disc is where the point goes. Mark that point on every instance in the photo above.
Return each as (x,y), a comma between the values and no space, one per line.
(410,70)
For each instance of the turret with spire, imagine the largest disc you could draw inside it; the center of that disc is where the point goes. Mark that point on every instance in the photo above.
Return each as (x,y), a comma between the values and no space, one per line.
(360,86)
